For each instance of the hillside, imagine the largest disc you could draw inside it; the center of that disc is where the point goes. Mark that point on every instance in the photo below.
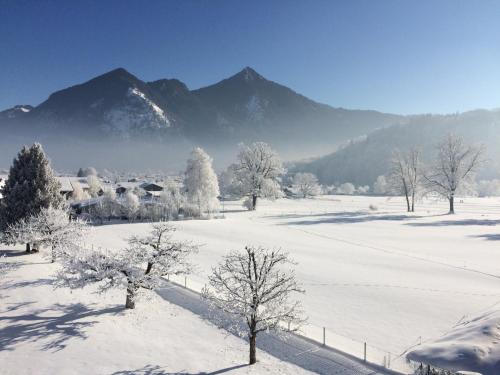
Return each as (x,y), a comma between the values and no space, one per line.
(361,161)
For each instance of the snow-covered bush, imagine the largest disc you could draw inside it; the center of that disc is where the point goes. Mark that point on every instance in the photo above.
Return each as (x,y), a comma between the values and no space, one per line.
(140,266)
(255,287)
(50,227)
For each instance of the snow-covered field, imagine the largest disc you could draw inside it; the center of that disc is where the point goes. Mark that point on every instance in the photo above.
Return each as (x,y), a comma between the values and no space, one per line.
(57,332)
(383,277)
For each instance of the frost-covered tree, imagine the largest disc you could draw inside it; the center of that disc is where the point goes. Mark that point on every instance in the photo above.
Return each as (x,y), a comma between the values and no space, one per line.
(306,184)
(363,190)
(454,168)
(51,227)
(108,203)
(346,189)
(85,172)
(31,186)
(78,193)
(140,266)
(406,175)
(131,205)
(94,185)
(380,185)
(257,173)
(255,287)
(172,200)
(201,181)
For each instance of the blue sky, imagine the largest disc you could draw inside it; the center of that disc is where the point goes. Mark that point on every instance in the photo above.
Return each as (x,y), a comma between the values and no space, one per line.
(394,56)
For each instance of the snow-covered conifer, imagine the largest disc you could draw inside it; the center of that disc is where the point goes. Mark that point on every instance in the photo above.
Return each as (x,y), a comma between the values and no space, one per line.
(255,287)
(141,265)
(31,186)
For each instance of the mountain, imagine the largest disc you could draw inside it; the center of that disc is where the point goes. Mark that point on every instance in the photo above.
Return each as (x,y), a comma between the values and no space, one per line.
(244,107)
(361,161)
(15,112)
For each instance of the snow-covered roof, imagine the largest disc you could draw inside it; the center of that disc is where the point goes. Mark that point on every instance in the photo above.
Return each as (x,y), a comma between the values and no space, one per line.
(68,183)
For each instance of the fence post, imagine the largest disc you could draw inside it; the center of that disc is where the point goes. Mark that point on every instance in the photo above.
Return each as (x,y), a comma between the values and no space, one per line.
(389,360)
(185,282)
(288,326)
(364,352)
(324,336)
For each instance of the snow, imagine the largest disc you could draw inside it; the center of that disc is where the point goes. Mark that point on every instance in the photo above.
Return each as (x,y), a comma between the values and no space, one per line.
(386,278)
(470,345)
(137,113)
(54,331)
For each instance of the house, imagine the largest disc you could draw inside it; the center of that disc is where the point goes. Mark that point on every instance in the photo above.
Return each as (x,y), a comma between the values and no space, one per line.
(151,187)
(68,184)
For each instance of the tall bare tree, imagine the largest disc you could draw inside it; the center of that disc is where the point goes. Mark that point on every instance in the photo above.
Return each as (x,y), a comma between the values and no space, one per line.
(406,175)
(252,287)
(454,167)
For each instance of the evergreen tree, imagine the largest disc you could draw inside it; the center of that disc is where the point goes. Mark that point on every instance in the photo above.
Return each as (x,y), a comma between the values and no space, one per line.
(31,186)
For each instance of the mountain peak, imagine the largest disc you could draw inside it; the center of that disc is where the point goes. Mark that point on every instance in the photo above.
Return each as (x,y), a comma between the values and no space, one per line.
(249,74)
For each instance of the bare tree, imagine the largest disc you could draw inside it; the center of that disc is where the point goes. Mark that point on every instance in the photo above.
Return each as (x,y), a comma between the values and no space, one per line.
(454,167)
(141,265)
(406,175)
(257,173)
(252,288)
(306,184)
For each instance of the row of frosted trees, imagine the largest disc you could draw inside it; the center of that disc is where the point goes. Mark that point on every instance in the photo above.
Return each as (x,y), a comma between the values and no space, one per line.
(451,173)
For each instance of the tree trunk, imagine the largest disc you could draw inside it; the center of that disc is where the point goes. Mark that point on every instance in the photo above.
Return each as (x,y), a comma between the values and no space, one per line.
(407,202)
(130,302)
(254,202)
(53,253)
(452,204)
(28,248)
(253,349)
(413,202)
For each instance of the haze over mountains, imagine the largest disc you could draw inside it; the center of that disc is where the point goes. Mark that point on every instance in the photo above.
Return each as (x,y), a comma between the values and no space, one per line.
(116,120)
